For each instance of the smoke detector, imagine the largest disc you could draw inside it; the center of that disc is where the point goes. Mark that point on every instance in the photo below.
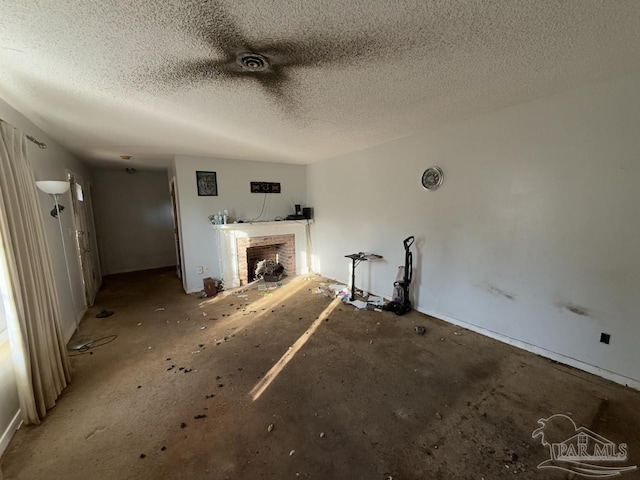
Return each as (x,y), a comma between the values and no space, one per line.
(252,62)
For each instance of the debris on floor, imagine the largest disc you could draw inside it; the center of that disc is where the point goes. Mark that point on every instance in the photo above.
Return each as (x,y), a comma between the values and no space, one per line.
(270,427)
(358,303)
(376,301)
(211,286)
(200,416)
(420,330)
(104,314)
(159,309)
(292,453)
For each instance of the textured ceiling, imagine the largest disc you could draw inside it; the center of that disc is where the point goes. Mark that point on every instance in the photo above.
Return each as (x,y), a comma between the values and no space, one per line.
(153,79)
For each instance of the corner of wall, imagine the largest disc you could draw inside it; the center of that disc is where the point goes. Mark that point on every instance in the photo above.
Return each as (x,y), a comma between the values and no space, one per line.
(6,437)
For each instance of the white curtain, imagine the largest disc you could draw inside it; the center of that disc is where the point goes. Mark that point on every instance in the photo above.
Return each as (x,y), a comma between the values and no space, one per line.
(29,291)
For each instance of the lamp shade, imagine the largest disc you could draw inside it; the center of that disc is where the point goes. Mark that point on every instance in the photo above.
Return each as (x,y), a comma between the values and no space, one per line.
(53,187)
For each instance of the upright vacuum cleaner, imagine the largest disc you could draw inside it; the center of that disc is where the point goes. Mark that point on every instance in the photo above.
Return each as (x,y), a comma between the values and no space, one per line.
(401,303)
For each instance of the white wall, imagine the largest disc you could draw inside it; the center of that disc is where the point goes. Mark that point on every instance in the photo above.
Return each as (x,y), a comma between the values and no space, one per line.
(134,220)
(48,164)
(199,245)
(540,203)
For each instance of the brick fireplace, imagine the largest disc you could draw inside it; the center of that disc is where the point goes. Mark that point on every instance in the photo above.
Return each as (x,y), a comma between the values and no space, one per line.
(279,248)
(290,239)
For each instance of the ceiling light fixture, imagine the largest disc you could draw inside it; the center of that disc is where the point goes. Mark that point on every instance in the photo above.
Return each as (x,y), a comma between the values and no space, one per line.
(253,62)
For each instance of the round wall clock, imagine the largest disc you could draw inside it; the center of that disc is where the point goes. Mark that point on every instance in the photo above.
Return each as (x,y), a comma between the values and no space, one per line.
(432,178)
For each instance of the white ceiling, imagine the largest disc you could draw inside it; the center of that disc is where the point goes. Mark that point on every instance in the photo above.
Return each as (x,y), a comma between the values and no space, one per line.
(153,79)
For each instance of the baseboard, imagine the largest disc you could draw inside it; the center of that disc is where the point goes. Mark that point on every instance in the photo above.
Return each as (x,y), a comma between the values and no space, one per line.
(10,430)
(543,352)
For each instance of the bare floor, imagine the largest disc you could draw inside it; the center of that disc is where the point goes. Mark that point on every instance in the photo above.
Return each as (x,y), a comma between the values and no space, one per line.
(226,388)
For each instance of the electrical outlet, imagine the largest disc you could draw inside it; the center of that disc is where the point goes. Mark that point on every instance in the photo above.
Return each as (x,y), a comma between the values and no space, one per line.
(200,269)
(206,269)
(605,338)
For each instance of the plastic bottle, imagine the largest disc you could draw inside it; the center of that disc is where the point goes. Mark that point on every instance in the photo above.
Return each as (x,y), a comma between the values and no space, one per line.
(225,217)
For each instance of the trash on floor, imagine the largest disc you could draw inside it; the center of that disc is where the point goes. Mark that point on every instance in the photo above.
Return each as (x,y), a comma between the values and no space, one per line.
(420,330)
(358,303)
(159,309)
(211,286)
(104,313)
(374,300)
(270,427)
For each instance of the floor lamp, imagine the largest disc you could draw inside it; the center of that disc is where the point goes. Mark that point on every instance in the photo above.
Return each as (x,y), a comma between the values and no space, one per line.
(55,189)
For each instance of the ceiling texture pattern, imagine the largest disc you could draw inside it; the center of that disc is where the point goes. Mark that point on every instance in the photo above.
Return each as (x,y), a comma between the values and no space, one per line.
(292,81)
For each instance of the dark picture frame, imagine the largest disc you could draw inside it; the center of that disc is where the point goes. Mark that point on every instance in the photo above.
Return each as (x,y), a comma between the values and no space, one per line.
(207,184)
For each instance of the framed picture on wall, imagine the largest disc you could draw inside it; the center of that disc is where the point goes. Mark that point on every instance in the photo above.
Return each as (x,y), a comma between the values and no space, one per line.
(207,184)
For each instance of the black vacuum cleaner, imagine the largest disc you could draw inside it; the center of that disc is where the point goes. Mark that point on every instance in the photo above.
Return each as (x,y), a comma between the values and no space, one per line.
(401,303)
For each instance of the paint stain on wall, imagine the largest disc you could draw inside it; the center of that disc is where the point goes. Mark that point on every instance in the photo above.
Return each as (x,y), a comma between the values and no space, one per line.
(578,310)
(498,291)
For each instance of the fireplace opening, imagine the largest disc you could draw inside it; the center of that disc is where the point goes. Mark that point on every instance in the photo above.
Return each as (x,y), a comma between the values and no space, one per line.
(276,250)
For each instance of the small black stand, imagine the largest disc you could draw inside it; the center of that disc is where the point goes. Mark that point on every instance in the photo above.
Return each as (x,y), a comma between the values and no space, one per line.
(356,258)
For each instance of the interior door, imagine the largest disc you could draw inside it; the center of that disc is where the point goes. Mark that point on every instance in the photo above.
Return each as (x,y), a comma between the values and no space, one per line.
(176,230)
(85,237)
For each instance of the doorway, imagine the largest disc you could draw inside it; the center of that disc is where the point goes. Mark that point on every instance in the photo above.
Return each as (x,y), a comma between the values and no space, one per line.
(85,237)
(176,228)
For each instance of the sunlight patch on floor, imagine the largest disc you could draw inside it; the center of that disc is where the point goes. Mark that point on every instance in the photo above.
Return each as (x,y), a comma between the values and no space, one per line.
(272,374)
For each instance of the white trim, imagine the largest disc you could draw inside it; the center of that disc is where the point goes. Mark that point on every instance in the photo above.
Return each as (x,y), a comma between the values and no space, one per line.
(543,352)
(4,336)
(14,425)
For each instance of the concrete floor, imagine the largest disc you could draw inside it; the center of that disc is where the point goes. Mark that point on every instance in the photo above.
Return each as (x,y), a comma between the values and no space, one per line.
(364,398)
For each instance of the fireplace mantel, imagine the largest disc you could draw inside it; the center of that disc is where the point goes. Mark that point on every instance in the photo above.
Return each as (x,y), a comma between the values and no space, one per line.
(227,240)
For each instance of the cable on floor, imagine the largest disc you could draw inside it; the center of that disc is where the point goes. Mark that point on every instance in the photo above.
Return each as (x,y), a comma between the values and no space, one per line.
(95,344)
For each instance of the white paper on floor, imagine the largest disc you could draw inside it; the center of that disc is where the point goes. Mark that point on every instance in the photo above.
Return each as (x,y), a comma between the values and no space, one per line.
(376,300)
(358,303)
(337,288)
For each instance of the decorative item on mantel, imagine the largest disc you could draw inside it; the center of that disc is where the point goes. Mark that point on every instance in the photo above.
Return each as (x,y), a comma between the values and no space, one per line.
(220,218)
